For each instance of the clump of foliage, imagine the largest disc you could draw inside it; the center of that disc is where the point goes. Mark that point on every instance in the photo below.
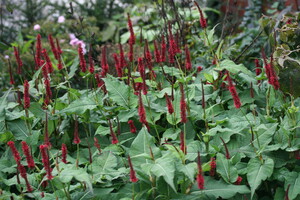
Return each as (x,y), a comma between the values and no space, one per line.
(170,118)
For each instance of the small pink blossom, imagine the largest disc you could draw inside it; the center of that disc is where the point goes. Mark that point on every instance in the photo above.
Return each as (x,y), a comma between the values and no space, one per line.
(6,57)
(61,19)
(36,27)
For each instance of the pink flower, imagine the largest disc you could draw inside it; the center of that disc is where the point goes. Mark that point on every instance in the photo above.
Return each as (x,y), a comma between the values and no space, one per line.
(61,19)
(6,57)
(36,27)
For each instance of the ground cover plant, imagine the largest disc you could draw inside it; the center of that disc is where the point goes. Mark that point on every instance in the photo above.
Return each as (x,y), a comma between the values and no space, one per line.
(176,113)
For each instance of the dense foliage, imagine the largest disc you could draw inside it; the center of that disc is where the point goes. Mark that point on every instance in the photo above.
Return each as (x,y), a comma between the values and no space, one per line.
(173,111)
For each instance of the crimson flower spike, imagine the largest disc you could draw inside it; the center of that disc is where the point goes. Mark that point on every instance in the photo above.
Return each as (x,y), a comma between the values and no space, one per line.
(182,142)
(227,155)
(15,152)
(53,48)
(188,63)
(233,92)
(29,158)
(132,127)
(26,95)
(46,136)
(48,92)
(163,49)
(169,104)
(64,152)
(141,68)
(122,60)
(45,161)
(97,145)
(182,105)
(213,166)
(91,62)
(118,65)
(156,52)
(22,171)
(200,178)
(18,59)
(82,61)
(172,45)
(104,64)
(59,52)
(147,55)
(203,22)
(130,27)
(133,177)
(114,139)
(38,51)
(76,139)
(48,61)
(257,69)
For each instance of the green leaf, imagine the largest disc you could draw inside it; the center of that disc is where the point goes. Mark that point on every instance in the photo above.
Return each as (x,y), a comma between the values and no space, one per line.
(140,147)
(73,67)
(79,106)
(188,169)
(216,189)
(120,93)
(19,129)
(258,172)
(102,130)
(292,179)
(234,68)
(3,105)
(165,167)
(226,169)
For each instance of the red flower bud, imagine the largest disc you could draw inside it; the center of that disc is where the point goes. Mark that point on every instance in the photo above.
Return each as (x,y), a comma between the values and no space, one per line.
(64,152)
(227,155)
(96,144)
(199,69)
(122,61)
(18,59)
(15,152)
(156,52)
(11,77)
(200,178)
(26,95)
(38,52)
(45,160)
(233,92)
(53,48)
(81,58)
(26,151)
(76,139)
(141,111)
(213,166)
(133,177)
(48,61)
(203,22)
(104,64)
(113,135)
(169,104)
(132,36)
(59,52)
(118,65)
(132,127)
(238,180)
(163,49)
(48,92)
(182,142)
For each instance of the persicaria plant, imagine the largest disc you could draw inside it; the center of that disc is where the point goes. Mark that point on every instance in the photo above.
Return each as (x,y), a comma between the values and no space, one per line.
(173,115)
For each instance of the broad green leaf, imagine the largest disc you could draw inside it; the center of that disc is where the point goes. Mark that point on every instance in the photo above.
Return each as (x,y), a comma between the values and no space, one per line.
(140,147)
(292,179)
(234,68)
(19,129)
(120,93)
(226,169)
(187,169)
(3,104)
(79,106)
(175,117)
(73,67)
(215,189)
(258,172)
(102,130)
(165,167)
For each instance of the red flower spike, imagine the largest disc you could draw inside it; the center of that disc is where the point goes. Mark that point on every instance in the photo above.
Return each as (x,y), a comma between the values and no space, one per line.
(182,105)
(169,104)
(257,69)
(114,139)
(130,53)
(122,61)
(182,142)
(233,92)
(15,152)
(91,61)
(46,136)
(45,161)
(156,52)
(26,95)
(227,155)
(104,64)
(64,152)
(118,65)
(147,55)
(76,139)
(238,180)
(59,52)
(44,69)
(26,151)
(19,61)
(132,36)
(81,58)
(48,92)
(141,68)
(141,111)
(53,48)
(38,51)
(163,49)
(213,166)
(133,177)
(199,69)
(188,64)
(132,127)
(100,83)
(200,178)
(97,145)
(203,22)
(297,154)
(172,45)
(48,61)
